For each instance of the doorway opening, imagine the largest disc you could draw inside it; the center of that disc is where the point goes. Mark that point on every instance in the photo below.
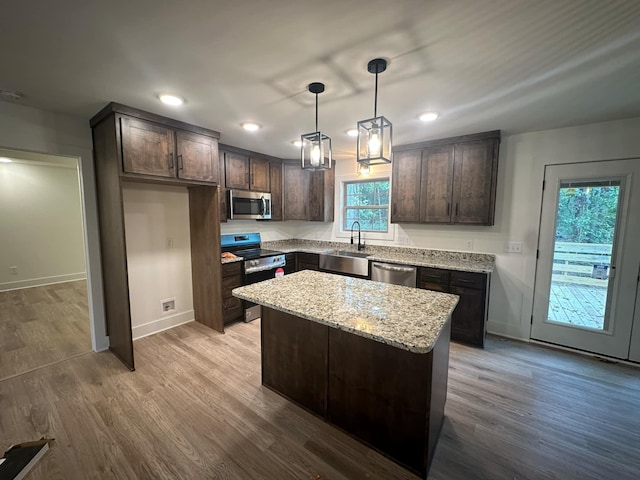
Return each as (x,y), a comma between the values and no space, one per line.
(44,311)
(588,264)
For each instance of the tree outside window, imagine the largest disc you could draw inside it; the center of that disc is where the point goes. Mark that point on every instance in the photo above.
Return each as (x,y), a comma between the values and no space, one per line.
(366,201)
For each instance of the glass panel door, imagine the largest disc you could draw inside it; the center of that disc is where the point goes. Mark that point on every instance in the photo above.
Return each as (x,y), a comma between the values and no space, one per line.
(588,259)
(586,218)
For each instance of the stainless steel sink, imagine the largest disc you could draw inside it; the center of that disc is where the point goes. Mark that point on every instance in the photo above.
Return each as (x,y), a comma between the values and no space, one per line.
(349,253)
(345,261)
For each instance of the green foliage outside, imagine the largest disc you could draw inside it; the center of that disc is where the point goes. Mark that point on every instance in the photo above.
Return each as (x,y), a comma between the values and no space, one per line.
(587,214)
(368,203)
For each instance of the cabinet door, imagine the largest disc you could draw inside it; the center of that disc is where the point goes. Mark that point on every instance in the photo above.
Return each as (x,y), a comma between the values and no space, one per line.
(474,182)
(405,186)
(259,175)
(468,318)
(197,157)
(437,184)
(275,174)
(222,190)
(236,170)
(296,191)
(321,195)
(147,148)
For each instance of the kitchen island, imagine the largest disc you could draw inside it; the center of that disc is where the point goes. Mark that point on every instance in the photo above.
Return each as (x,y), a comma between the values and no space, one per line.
(370,358)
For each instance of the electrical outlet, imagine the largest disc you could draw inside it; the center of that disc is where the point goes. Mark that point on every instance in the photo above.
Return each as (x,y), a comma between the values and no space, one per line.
(403,240)
(169,242)
(14,270)
(469,244)
(168,305)
(514,247)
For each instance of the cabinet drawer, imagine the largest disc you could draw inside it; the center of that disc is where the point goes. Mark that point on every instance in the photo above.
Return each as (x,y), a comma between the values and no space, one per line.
(229,269)
(468,279)
(309,259)
(436,287)
(228,284)
(435,275)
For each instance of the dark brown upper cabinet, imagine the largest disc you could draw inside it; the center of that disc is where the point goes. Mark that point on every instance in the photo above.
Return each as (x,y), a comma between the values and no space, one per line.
(275,174)
(197,157)
(151,149)
(446,181)
(259,175)
(296,192)
(236,170)
(246,172)
(307,195)
(321,195)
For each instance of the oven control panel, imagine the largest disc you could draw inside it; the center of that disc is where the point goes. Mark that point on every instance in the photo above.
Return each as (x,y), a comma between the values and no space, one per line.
(265,263)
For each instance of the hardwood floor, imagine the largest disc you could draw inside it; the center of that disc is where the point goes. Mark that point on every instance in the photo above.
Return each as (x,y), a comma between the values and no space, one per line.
(195,409)
(42,325)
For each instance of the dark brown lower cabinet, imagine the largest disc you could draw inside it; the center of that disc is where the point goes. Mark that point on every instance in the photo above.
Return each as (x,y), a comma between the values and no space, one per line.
(391,399)
(290,265)
(231,278)
(469,319)
(308,261)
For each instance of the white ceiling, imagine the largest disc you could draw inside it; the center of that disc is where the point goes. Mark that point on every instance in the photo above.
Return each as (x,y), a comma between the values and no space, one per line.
(483,64)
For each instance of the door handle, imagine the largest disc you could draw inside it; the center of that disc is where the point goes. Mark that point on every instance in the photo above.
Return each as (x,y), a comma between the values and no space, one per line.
(180,162)
(264,206)
(391,268)
(171,161)
(456,209)
(448,208)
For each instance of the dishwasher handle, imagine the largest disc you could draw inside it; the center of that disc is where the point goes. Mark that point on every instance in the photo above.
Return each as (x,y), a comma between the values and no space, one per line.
(392,268)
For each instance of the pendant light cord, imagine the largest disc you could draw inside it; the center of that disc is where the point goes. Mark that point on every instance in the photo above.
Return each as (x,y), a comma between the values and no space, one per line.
(375,99)
(316,112)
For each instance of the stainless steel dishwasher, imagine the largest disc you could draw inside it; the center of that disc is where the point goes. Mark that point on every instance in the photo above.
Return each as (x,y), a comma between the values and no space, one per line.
(395,274)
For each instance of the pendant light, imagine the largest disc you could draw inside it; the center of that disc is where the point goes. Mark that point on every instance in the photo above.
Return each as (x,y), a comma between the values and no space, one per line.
(316,147)
(375,134)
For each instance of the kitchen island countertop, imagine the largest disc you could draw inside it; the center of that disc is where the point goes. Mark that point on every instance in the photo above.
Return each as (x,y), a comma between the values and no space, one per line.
(404,317)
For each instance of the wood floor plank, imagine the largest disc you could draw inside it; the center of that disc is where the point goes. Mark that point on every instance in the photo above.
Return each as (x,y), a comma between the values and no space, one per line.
(42,325)
(195,409)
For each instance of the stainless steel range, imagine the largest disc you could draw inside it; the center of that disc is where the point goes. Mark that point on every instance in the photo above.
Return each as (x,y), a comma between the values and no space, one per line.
(258,263)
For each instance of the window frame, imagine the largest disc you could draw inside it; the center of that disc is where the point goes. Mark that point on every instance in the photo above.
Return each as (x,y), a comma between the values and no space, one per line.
(343,230)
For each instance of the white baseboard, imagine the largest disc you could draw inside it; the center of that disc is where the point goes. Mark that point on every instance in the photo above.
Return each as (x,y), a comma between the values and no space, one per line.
(161,324)
(39,282)
(508,330)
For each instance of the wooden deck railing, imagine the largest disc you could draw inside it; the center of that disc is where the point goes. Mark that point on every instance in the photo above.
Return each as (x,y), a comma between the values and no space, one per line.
(575,262)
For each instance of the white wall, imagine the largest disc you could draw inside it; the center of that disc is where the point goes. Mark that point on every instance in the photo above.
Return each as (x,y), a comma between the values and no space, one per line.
(158,256)
(268,230)
(34,130)
(41,216)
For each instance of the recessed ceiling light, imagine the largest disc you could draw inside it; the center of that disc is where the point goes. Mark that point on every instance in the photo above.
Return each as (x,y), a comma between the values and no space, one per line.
(352,132)
(172,100)
(297,143)
(251,126)
(5,160)
(428,116)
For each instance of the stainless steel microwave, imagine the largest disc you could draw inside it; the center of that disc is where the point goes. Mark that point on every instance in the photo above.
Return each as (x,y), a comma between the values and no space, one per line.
(249,205)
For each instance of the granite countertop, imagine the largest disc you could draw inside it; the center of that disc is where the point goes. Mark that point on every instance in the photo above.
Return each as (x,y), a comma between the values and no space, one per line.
(421,257)
(404,317)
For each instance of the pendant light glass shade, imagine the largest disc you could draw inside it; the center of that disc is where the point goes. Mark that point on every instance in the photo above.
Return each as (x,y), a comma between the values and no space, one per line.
(375,135)
(315,150)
